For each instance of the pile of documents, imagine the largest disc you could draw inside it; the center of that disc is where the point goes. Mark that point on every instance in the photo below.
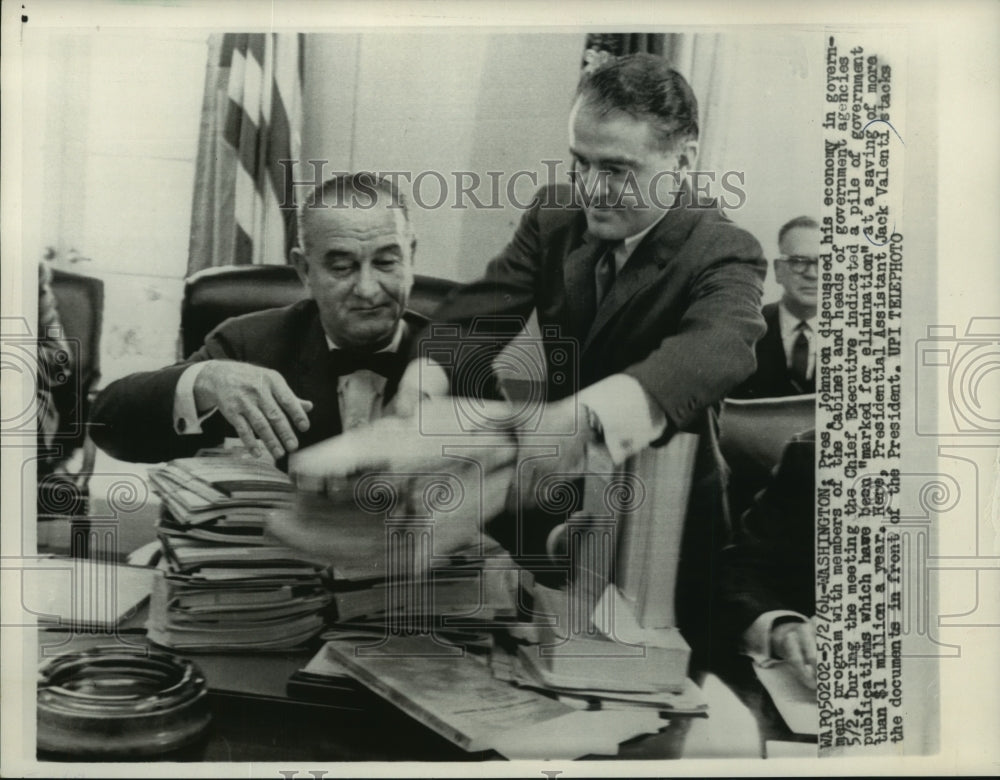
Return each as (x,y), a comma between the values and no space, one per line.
(458,691)
(475,586)
(225,583)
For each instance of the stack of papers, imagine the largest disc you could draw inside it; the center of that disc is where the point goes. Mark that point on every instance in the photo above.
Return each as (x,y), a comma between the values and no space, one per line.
(219,498)
(223,583)
(475,586)
(517,668)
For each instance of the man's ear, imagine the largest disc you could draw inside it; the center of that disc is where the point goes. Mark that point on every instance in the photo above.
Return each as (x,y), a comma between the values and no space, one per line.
(301,264)
(413,249)
(687,156)
(779,273)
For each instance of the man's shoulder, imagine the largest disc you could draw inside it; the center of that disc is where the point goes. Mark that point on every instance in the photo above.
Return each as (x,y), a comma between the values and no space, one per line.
(556,206)
(277,320)
(711,226)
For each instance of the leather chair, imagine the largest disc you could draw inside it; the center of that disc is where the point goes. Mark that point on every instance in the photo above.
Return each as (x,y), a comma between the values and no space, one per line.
(64,487)
(752,436)
(215,294)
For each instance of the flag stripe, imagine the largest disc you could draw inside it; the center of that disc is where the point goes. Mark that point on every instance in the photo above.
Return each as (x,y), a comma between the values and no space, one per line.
(249,214)
(243,249)
(279,148)
(255,47)
(242,134)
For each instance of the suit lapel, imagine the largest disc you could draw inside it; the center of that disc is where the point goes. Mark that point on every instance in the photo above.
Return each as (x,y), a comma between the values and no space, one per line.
(317,383)
(772,345)
(646,263)
(578,281)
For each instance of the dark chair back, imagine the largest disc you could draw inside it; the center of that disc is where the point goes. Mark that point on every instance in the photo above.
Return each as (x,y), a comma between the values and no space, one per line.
(63,494)
(752,436)
(213,295)
(80,300)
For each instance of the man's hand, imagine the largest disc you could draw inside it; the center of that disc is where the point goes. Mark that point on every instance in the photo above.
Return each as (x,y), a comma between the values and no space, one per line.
(795,642)
(256,401)
(422,379)
(570,418)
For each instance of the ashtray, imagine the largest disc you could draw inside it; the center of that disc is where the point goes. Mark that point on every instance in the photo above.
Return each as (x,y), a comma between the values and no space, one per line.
(120,703)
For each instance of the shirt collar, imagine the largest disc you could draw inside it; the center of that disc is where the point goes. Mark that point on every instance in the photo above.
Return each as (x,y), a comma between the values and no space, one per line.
(789,321)
(393,345)
(632,242)
(628,245)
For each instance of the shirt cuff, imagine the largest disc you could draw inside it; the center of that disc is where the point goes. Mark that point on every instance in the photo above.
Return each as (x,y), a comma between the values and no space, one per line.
(629,417)
(187,421)
(757,639)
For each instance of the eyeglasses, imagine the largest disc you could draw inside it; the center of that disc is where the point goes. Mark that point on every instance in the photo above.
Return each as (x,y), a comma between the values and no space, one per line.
(800,264)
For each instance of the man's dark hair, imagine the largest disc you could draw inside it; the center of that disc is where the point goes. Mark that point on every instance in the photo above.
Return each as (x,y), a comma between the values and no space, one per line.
(798,222)
(645,87)
(352,190)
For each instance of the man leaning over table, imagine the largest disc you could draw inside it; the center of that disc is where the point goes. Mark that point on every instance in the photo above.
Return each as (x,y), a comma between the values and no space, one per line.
(288,377)
(656,288)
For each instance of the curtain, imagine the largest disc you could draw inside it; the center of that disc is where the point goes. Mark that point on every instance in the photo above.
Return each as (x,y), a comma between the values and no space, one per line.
(243,207)
(630,43)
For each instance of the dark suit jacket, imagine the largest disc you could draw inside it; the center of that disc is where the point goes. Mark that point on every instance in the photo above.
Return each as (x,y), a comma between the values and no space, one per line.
(772,377)
(770,565)
(682,318)
(132,419)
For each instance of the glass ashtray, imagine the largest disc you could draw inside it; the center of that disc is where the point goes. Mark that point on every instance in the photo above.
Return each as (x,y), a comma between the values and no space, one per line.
(120,703)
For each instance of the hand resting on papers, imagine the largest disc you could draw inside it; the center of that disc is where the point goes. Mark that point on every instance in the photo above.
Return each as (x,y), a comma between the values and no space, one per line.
(795,642)
(256,401)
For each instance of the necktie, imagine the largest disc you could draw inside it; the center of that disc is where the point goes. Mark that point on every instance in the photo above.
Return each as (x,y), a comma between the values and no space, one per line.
(605,272)
(799,367)
(344,362)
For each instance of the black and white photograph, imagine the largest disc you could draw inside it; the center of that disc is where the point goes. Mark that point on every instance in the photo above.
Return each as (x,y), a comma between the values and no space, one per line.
(434,389)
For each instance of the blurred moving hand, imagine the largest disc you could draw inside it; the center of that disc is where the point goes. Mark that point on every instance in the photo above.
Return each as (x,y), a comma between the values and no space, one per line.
(421,381)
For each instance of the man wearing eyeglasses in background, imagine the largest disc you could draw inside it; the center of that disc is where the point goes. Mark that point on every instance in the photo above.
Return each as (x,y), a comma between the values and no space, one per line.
(786,355)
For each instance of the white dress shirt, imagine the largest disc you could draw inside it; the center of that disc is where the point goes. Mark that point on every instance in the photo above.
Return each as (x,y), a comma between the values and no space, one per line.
(361,395)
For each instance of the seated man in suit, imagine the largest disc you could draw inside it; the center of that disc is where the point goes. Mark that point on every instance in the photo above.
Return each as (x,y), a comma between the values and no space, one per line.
(648,299)
(767,581)
(285,378)
(786,356)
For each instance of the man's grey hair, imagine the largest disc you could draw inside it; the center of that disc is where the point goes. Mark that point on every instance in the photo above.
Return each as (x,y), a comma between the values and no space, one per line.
(362,190)
(798,222)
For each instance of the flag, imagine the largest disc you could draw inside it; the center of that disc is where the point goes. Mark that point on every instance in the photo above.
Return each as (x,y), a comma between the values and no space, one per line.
(243,206)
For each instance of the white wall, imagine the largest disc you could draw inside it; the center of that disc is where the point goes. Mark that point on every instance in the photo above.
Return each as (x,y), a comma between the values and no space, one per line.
(443,102)
(110,142)
(771,130)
